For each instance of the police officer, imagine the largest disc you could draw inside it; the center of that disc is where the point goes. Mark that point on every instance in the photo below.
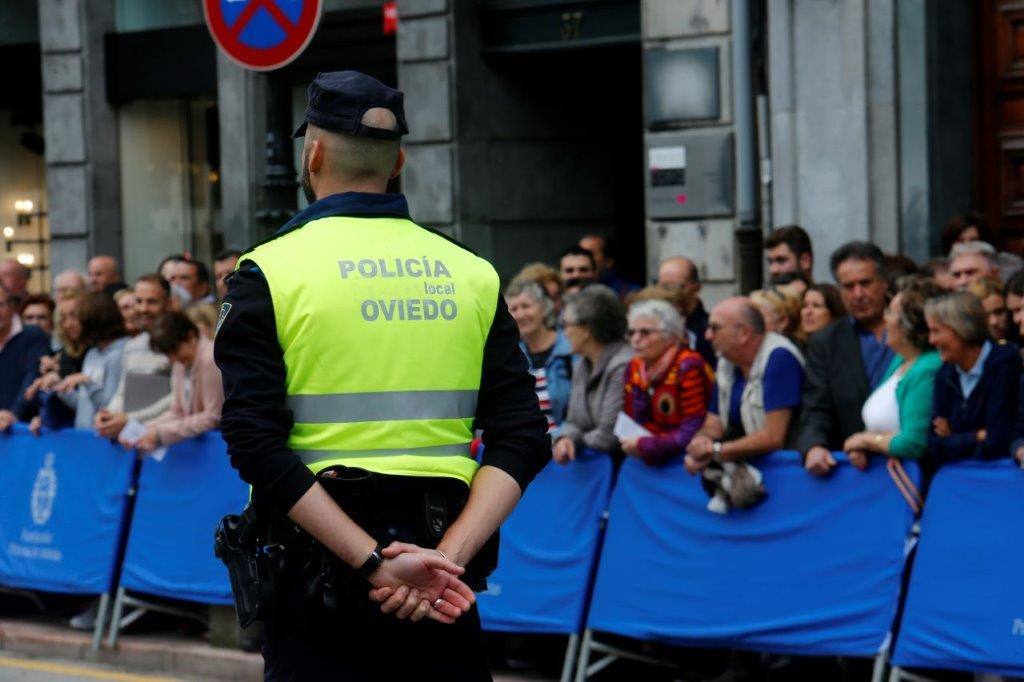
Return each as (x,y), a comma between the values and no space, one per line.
(359,352)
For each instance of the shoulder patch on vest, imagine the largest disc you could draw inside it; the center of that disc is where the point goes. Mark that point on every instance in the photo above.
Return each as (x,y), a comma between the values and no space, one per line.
(225,308)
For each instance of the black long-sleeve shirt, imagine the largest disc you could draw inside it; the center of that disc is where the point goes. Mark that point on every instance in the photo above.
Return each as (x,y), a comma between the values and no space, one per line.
(256,421)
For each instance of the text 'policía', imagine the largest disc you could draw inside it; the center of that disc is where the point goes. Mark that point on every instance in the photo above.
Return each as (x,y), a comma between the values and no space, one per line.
(404,309)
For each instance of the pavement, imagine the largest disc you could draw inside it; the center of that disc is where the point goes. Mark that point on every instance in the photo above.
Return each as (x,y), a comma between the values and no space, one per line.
(170,656)
(37,651)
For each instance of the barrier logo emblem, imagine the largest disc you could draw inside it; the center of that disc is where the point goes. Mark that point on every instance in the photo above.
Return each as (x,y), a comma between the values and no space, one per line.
(262,35)
(44,491)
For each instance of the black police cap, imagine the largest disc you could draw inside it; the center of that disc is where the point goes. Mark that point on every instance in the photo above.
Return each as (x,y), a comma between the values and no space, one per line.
(339,99)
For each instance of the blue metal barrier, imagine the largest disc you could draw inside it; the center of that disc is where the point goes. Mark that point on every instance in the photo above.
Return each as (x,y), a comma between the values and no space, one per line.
(965,601)
(548,546)
(60,509)
(181,499)
(815,569)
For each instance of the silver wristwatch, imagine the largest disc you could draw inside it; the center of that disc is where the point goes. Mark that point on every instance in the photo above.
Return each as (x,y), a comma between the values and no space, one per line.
(716,451)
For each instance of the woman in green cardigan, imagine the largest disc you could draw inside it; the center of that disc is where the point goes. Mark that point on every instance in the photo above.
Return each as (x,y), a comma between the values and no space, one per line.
(898,414)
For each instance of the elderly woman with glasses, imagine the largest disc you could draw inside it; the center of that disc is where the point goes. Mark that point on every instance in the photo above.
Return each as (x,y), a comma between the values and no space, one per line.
(975,399)
(594,321)
(668,384)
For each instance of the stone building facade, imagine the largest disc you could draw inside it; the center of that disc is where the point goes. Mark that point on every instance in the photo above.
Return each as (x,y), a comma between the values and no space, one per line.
(676,126)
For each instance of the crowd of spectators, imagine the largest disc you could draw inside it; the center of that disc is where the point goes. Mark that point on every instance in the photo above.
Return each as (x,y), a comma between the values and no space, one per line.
(881,362)
(893,360)
(74,359)
(133,364)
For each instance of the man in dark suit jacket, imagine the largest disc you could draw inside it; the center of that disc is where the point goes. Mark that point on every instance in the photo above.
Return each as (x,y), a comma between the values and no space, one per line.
(847,360)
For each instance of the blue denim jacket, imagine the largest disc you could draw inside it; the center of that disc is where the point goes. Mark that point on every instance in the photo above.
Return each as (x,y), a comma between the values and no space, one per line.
(558,369)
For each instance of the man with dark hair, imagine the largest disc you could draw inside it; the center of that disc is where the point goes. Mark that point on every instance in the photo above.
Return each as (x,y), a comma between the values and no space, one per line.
(21,347)
(223,265)
(194,277)
(788,250)
(846,360)
(578,269)
(602,248)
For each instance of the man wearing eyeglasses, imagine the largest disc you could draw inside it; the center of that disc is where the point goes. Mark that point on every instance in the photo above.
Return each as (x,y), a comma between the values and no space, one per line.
(681,275)
(757,388)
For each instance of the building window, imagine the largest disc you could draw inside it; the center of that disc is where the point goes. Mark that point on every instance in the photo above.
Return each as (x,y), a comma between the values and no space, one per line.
(170,182)
(147,15)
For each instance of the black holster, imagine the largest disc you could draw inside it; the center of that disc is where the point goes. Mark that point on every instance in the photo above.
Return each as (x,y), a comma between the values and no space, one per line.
(240,542)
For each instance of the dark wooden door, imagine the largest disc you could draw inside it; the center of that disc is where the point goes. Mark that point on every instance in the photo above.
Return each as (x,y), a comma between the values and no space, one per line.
(999,116)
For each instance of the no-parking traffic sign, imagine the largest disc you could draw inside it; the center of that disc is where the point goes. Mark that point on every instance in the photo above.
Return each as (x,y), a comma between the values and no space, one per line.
(262,34)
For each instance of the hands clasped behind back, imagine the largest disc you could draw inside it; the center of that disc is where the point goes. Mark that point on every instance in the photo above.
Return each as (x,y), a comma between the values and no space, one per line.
(415,582)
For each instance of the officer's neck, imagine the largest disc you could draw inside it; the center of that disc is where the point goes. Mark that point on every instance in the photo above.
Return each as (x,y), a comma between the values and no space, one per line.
(328,186)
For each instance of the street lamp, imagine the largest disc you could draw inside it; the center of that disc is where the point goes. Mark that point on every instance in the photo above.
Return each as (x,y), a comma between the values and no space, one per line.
(24,208)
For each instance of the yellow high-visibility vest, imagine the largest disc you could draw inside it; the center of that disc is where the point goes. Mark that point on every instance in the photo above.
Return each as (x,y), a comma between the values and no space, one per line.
(383,325)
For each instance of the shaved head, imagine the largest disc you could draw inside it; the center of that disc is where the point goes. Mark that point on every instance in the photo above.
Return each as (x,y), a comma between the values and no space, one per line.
(350,159)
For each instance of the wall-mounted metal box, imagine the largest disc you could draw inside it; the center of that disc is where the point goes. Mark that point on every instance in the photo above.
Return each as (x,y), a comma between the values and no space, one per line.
(689,174)
(681,86)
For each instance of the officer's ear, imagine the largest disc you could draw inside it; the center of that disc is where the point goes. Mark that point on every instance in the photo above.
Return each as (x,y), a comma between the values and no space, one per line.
(316,156)
(399,164)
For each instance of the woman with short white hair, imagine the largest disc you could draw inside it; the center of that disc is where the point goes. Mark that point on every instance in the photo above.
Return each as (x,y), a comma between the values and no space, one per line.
(547,350)
(668,384)
(975,400)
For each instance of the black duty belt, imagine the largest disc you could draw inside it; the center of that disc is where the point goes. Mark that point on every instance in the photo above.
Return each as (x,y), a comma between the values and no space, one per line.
(412,509)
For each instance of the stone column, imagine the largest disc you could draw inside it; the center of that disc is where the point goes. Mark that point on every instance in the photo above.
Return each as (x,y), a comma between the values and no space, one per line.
(82,173)
(833,101)
(426,69)
(241,105)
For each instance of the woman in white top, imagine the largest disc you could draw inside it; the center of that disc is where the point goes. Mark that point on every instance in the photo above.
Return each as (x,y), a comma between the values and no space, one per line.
(897,414)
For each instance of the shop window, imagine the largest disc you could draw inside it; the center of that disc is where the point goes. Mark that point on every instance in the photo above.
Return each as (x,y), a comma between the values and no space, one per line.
(24,230)
(170,182)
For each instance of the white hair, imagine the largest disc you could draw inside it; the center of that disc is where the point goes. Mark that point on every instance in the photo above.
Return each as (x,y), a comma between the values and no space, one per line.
(539,296)
(672,323)
(976,247)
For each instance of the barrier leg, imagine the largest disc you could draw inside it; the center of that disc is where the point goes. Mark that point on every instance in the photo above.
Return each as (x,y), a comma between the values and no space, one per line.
(101,621)
(584,659)
(878,672)
(900,675)
(115,621)
(121,547)
(571,650)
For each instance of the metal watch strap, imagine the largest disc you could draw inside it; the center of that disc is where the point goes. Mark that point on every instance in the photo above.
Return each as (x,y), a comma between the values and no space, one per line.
(716,451)
(372,562)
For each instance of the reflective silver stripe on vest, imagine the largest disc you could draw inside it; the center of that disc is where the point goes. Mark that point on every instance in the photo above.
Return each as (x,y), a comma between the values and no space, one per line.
(314,456)
(345,408)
